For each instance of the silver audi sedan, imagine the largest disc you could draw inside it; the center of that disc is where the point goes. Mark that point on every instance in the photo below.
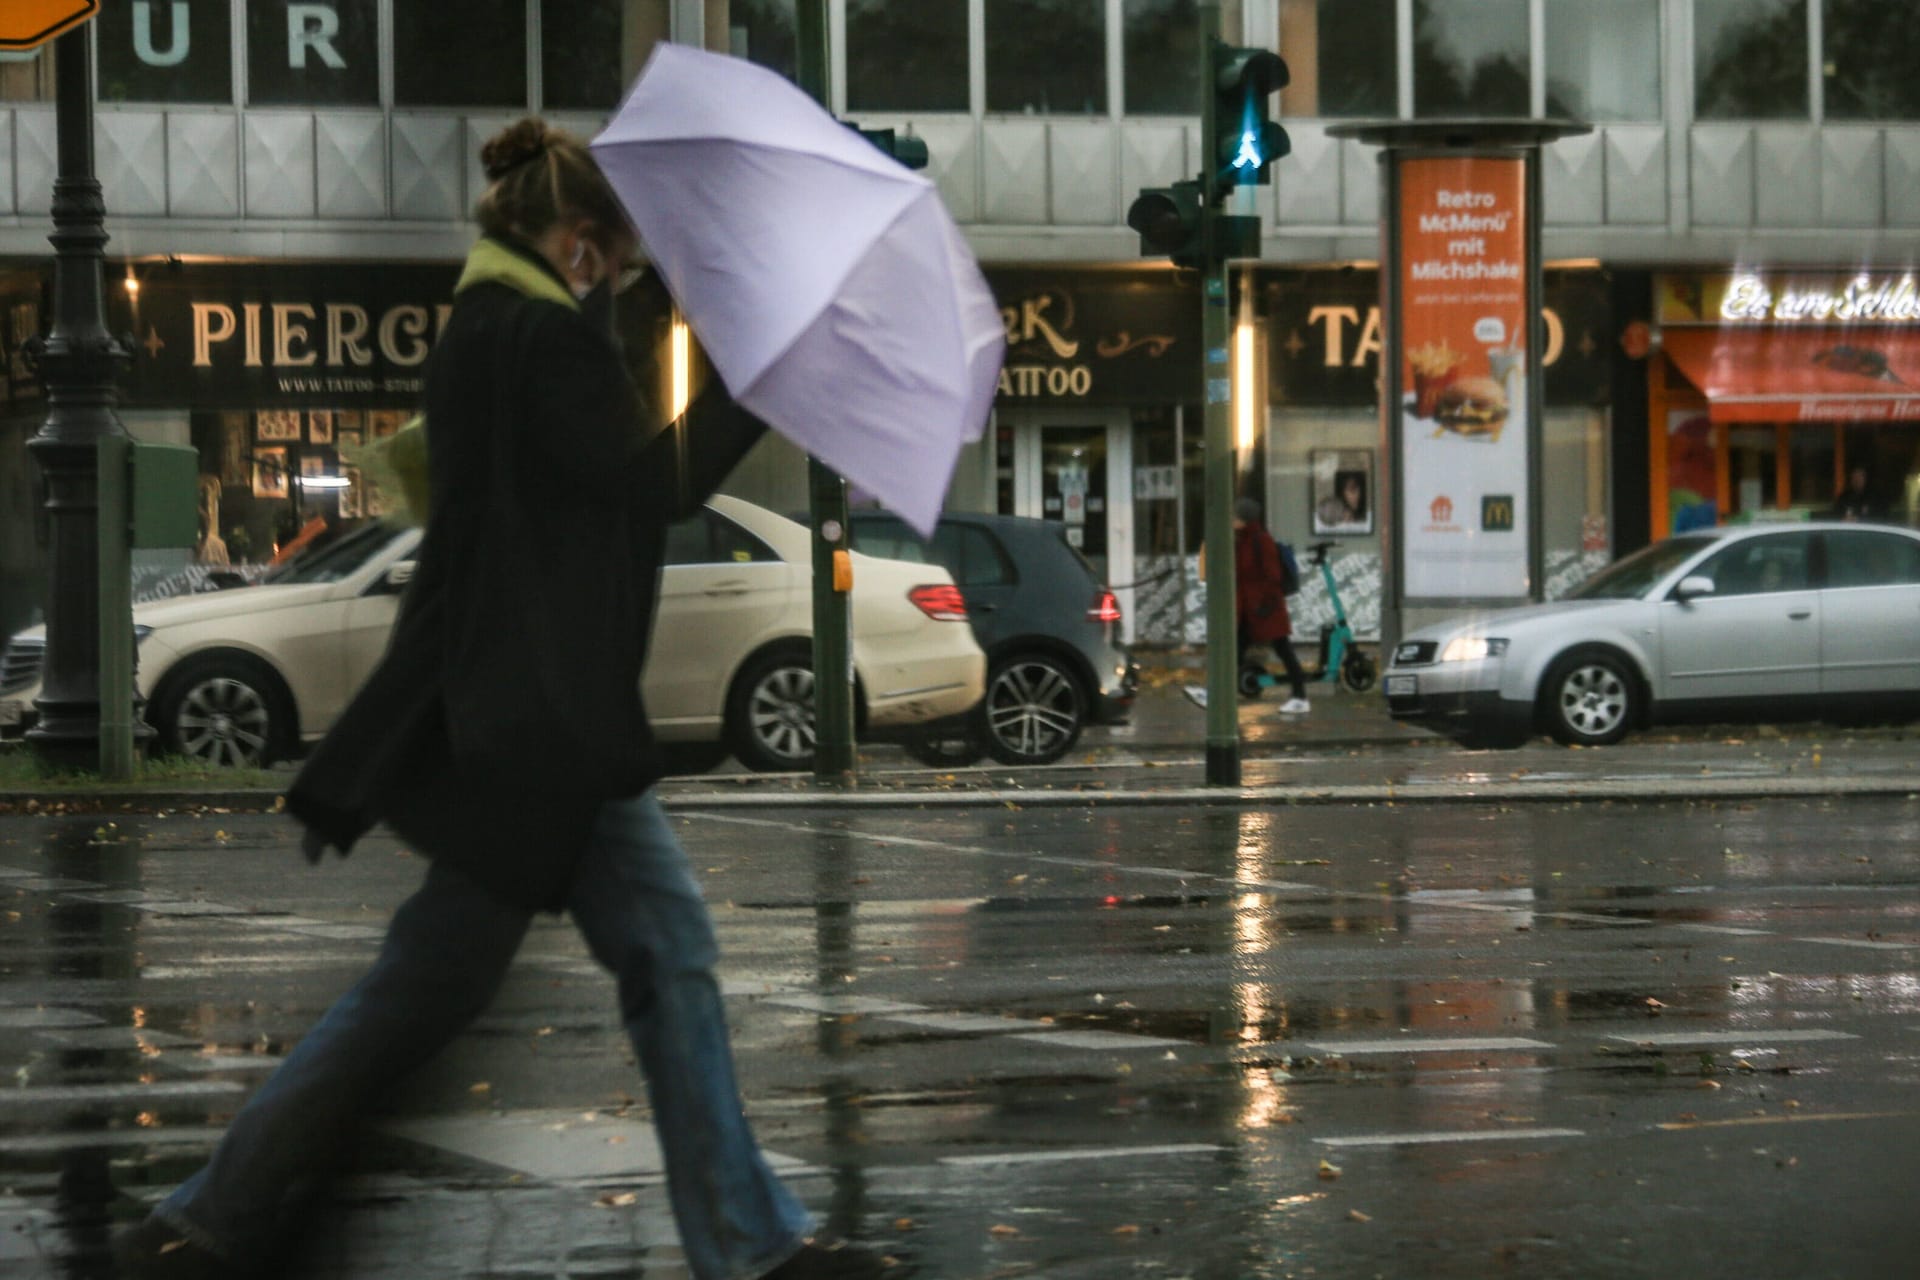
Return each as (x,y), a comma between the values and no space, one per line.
(1773,622)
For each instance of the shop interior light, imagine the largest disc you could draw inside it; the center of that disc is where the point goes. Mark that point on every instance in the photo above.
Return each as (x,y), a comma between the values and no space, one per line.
(1243,387)
(132,282)
(324,482)
(679,357)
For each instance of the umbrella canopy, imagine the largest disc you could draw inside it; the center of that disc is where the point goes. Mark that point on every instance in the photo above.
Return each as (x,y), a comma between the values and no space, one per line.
(828,283)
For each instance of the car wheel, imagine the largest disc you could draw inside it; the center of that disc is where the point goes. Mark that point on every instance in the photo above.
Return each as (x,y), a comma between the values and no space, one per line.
(1357,671)
(1033,711)
(227,710)
(770,712)
(1589,699)
(945,749)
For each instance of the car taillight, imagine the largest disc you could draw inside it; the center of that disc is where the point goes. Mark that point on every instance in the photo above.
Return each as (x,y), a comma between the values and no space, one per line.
(1106,608)
(941,603)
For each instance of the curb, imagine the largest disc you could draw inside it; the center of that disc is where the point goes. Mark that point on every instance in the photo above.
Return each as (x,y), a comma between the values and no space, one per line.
(1556,792)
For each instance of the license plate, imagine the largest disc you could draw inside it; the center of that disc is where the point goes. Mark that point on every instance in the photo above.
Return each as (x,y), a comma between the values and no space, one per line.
(12,713)
(1402,686)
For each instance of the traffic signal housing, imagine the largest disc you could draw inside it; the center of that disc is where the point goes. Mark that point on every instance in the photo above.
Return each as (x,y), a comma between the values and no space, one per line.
(1245,138)
(1170,224)
(904,147)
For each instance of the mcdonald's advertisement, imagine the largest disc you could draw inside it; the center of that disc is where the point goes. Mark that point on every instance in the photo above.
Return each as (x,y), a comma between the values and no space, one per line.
(1463,416)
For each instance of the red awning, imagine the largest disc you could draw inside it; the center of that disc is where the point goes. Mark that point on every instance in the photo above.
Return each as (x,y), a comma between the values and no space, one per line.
(1802,375)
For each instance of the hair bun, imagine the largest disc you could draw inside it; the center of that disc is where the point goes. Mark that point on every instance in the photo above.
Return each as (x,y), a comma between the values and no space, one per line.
(513,146)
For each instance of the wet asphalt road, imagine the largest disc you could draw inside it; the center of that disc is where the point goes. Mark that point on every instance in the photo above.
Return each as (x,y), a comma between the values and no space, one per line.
(1608,1039)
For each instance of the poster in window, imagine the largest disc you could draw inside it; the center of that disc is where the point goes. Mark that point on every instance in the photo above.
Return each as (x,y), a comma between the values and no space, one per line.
(1342,492)
(319,426)
(384,422)
(270,473)
(236,470)
(277,426)
(352,506)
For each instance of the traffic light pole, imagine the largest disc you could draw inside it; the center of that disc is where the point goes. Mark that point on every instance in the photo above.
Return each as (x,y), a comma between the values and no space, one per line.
(827,511)
(1223,657)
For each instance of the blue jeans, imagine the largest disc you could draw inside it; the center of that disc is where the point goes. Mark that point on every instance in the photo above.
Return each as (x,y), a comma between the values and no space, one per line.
(635,901)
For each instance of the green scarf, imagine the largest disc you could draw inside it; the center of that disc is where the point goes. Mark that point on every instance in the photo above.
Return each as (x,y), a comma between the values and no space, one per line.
(398,463)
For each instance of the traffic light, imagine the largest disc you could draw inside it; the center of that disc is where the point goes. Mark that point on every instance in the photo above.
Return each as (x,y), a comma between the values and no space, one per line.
(1245,138)
(907,149)
(1169,222)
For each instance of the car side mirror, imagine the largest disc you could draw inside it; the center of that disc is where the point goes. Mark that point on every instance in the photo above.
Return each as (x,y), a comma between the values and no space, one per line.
(1693,587)
(398,575)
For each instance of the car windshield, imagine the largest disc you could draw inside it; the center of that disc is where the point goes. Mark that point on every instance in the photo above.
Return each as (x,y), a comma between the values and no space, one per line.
(1631,578)
(332,561)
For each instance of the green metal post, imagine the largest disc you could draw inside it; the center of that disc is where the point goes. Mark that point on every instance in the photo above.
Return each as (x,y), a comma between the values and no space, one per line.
(115,507)
(1223,659)
(827,505)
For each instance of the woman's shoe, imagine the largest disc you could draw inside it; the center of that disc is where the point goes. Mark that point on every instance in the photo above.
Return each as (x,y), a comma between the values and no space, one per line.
(1295,707)
(835,1261)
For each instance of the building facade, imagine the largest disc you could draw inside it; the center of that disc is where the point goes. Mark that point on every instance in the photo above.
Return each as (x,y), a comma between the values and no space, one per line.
(288,186)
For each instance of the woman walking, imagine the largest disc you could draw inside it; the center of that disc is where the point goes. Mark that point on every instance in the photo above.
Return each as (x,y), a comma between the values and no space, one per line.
(503,737)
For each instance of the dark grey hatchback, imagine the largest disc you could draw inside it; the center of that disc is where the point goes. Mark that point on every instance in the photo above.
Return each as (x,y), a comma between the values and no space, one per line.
(1050,629)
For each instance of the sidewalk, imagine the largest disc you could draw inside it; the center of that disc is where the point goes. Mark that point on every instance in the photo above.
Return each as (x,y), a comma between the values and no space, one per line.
(1164,719)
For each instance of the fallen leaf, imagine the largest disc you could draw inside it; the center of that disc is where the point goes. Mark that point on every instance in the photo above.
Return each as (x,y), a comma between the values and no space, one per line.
(1126,1229)
(482,1087)
(1354,1215)
(616,1199)
(903,1224)
(1003,1230)
(1328,1172)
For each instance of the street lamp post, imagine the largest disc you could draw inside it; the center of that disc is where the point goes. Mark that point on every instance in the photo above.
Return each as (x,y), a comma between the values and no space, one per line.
(78,363)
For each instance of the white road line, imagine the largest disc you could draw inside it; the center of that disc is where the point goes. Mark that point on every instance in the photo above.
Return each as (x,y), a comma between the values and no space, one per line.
(1726,929)
(842,1004)
(1865,944)
(1089,1153)
(1270,886)
(93,1139)
(1098,1040)
(40,1019)
(1431,1044)
(966,1023)
(1733,1037)
(1419,1139)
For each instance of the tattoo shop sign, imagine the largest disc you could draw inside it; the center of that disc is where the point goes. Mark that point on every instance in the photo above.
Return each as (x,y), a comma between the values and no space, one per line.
(1105,337)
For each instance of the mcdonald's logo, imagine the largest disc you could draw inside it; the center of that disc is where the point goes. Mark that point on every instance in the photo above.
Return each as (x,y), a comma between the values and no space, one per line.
(1496,512)
(1440,510)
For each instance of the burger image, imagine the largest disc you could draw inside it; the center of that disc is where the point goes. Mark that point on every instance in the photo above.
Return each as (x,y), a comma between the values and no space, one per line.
(1471,406)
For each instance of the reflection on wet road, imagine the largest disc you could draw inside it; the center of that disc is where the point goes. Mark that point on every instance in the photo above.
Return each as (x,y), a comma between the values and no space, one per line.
(1550,1040)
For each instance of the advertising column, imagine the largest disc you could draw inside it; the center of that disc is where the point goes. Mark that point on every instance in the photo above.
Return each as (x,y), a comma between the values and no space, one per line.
(1463,417)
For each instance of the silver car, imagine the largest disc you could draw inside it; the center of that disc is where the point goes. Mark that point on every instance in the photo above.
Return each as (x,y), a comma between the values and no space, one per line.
(1773,621)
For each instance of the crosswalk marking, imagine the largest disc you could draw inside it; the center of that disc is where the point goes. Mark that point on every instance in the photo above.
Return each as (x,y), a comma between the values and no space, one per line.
(1431,1044)
(1733,1037)
(1421,1139)
(1083,1153)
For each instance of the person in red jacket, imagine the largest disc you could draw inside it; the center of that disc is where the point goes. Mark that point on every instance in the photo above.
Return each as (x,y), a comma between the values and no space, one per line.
(1260,599)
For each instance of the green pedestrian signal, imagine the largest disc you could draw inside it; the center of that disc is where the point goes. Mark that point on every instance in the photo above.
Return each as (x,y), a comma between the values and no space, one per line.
(1245,138)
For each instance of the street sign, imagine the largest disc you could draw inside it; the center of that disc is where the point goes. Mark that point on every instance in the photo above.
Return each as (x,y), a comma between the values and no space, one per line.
(27,24)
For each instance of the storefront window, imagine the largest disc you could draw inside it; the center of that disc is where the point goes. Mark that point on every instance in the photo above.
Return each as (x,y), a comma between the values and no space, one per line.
(1046,57)
(1750,59)
(591,50)
(1603,59)
(460,55)
(905,56)
(1343,56)
(764,31)
(165,51)
(1162,58)
(1470,57)
(27,77)
(1869,63)
(323,54)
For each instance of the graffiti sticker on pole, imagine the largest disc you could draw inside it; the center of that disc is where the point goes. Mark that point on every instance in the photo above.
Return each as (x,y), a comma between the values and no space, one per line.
(1463,419)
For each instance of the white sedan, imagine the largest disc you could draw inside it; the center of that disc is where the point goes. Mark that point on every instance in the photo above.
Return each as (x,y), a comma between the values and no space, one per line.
(244,675)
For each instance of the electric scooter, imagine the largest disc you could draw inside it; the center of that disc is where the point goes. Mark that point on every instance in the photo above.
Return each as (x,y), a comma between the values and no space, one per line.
(1341,659)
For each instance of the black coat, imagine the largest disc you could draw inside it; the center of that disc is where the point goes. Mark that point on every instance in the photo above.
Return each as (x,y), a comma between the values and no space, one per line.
(507,709)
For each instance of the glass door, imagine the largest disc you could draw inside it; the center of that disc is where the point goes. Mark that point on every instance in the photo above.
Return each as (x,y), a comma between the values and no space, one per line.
(1076,471)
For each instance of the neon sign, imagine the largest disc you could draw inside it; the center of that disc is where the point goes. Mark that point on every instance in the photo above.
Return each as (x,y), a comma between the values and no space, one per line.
(1865,299)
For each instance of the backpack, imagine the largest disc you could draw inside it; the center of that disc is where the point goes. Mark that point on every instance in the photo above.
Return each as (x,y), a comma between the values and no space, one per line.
(1289,569)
